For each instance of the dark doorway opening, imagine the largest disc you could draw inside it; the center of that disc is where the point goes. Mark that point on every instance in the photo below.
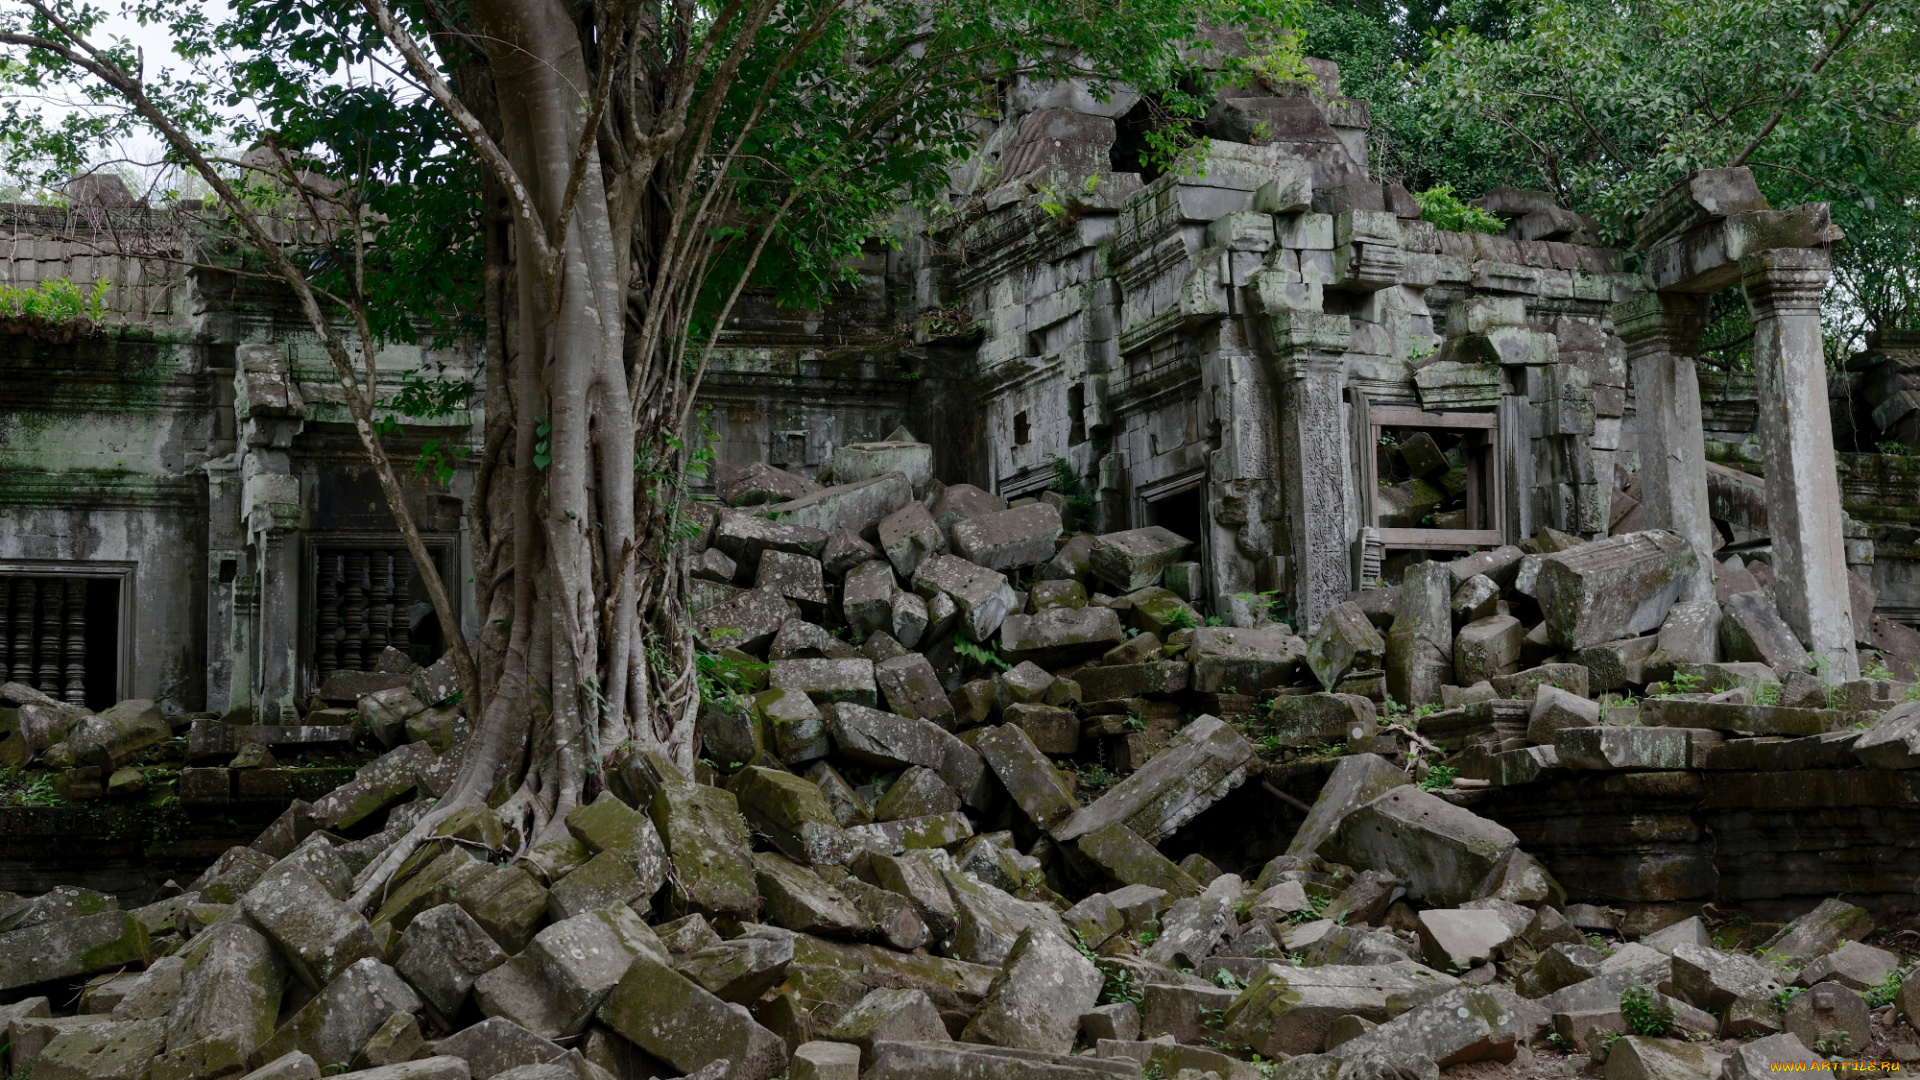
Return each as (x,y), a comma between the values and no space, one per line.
(1179,513)
(103,643)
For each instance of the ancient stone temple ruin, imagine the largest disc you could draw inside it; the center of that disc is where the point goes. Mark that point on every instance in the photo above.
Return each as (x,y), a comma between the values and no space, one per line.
(1193,620)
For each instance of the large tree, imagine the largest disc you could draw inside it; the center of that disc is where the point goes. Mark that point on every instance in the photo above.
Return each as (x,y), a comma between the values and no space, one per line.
(589,187)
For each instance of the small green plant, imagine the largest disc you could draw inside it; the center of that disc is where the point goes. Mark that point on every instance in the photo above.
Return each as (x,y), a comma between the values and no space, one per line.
(1892,448)
(1875,669)
(1644,1013)
(981,657)
(19,787)
(1316,909)
(1439,778)
(1147,936)
(1604,1042)
(1765,693)
(1134,722)
(1227,980)
(1685,682)
(1785,997)
(1558,1042)
(1888,988)
(55,300)
(1448,211)
(1080,502)
(1284,61)
(1120,987)
(1183,618)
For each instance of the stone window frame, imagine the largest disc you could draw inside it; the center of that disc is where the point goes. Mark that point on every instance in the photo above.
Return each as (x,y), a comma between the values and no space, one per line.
(1392,415)
(444,547)
(119,570)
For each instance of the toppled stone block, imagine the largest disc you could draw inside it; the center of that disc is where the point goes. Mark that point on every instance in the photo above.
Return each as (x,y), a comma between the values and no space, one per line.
(1357,779)
(1322,719)
(1770,1056)
(229,1000)
(707,844)
(795,725)
(799,578)
(1474,599)
(1452,939)
(988,921)
(1244,660)
(1751,629)
(1819,930)
(827,681)
(744,537)
(760,483)
(1726,716)
(1442,852)
(342,1017)
(886,1015)
(1614,588)
(101,1051)
(1133,559)
(114,737)
(1030,779)
(1737,988)
(910,834)
(982,598)
(1830,1015)
(1205,760)
(912,689)
(1009,539)
(747,622)
(743,969)
(802,901)
(883,739)
(856,507)
(1058,636)
(608,825)
(441,953)
(861,461)
(1419,645)
(827,1060)
(1036,1003)
(1346,641)
(1123,856)
(793,814)
(1054,730)
(669,1016)
(1690,635)
(1460,1025)
(866,599)
(966,1061)
(909,536)
(919,792)
(1555,710)
(1526,684)
(496,1045)
(1854,965)
(1111,682)
(1641,1057)
(1624,748)
(1619,665)
(1488,647)
(319,936)
(1287,1010)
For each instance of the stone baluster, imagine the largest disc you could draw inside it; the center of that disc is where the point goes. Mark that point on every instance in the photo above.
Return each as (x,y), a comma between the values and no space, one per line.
(326,644)
(26,595)
(1308,351)
(353,613)
(6,638)
(402,598)
(53,599)
(379,597)
(76,690)
(1784,286)
(1662,334)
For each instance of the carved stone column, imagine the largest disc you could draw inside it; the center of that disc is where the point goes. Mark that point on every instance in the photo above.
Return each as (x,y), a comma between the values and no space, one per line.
(1662,335)
(1307,349)
(1796,442)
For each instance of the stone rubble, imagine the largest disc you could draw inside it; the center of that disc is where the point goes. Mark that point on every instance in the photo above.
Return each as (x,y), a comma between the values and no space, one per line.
(953,818)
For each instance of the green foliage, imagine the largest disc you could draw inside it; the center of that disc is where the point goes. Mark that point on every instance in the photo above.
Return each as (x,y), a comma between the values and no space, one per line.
(1080,501)
(1283,61)
(1316,909)
(1183,618)
(1120,987)
(55,301)
(724,681)
(983,658)
(1439,778)
(1448,211)
(1644,1013)
(1784,997)
(19,787)
(1888,989)
(1875,669)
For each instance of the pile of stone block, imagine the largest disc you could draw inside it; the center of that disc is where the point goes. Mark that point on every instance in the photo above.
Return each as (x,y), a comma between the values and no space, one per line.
(943,746)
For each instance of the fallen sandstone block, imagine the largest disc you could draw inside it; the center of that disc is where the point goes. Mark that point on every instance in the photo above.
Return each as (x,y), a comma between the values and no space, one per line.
(1619,587)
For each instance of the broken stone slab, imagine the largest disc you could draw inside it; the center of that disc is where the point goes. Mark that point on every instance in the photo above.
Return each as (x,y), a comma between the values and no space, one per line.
(1036,1002)
(1133,559)
(1625,748)
(1321,719)
(111,1050)
(883,739)
(1442,852)
(1619,587)
(1641,1057)
(1111,682)
(1287,1010)
(1030,779)
(1060,636)
(375,787)
(909,537)
(1751,719)
(1243,660)
(1452,939)
(1122,855)
(760,483)
(114,737)
(827,681)
(795,725)
(497,1045)
(745,536)
(798,578)
(856,507)
(982,598)
(743,969)
(1830,1016)
(910,834)
(441,953)
(910,688)
(674,1019)
(803,901)
(708,848)
(1488,647)
(1894,740)
(72,948)
(792,813)
(918,792)
(1009,539)
(1194,926)
(820,1060)
(1854,965)
(1461,1025)
(340,1019)
(1737,988)
(1357,779)
(1818,931)
(1345,641)
(1205,760)
(1751,629)
(968,1061)
(1419,645)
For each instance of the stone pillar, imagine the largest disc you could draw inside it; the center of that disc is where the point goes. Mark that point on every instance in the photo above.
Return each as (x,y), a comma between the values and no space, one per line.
(274,515)
(1784,286)
(1662,335)
(1307,350)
